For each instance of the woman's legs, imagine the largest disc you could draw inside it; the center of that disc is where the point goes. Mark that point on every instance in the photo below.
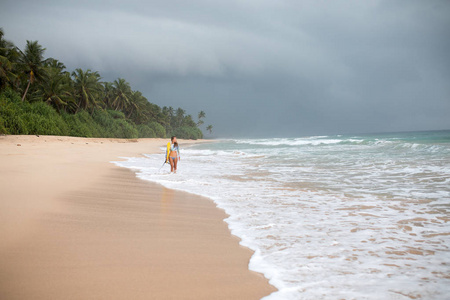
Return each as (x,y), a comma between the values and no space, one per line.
(173,164)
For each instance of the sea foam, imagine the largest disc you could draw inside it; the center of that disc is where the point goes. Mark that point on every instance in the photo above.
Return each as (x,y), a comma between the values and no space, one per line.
(329,217)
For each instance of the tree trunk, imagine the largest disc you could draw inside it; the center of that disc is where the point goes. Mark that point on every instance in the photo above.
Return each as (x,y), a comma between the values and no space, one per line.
(26,90)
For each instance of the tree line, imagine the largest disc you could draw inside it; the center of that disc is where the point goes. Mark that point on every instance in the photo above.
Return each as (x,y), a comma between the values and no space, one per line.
(39,96)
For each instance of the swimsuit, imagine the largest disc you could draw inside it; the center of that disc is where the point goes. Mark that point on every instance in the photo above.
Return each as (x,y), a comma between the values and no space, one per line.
(176,149)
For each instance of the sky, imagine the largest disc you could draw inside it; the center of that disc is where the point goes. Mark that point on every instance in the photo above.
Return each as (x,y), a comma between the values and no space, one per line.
(260,68)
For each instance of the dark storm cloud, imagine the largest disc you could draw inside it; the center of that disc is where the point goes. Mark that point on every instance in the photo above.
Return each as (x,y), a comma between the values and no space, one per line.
(261,68)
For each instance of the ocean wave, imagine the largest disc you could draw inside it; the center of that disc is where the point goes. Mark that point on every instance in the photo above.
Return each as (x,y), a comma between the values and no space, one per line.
(325,219)
(289,142)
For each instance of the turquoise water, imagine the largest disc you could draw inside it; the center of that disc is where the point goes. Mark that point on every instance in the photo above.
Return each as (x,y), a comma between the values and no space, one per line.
(331,217)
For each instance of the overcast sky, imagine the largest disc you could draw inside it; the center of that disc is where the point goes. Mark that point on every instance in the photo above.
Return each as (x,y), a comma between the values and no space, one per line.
(260,68)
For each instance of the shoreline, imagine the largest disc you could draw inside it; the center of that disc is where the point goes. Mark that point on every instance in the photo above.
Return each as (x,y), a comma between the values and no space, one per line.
(106,234)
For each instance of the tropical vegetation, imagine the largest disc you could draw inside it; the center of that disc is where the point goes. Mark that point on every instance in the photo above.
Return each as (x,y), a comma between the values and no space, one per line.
(39,96)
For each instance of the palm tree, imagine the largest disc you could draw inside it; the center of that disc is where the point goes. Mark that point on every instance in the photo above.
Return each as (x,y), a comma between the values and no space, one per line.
(167,113)
(137,108)
(121,94)
(32,64)
(87,88)
(201,115)
(153,112)
(179,116)
(55,64)
(170,118)
(57,89)
(8,57)
(209,128)
(108,95)
(188,121)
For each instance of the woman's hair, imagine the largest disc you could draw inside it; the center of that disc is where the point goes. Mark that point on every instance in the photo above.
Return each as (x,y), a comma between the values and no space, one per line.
(175,144)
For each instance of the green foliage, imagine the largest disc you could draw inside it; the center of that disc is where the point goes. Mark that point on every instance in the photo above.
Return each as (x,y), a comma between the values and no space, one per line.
(158,129)
(114,124)
(2,126)
(145,131)
(29,118)
(186,132)
(201,116)
(116,114)
(82,124)
(11,114)
(38,124)
(121,92)
(87,88)
(31,65)
(11,96)
(125,129)
(41,118)
(56,90)
(101,123)
(38,96)
(209,128)
(8,56)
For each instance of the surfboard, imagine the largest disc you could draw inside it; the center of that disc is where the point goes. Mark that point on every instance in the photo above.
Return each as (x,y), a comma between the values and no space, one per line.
(167,152)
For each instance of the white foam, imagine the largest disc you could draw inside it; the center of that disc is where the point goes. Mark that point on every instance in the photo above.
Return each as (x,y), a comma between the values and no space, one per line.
(291,142)
(327,223)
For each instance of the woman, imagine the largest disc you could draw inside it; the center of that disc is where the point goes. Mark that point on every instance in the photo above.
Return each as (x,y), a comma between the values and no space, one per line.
(174,154)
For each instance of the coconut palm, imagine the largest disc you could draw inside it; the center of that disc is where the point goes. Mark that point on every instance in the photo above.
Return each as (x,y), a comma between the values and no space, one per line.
(179,116)
(137,109)
(153,112)
(107,95)
(167,113)
(209,128)
(8,59)
(54,64)
(121,94)
(87,88)
(31,63)
(201,115)
(56,90)
(188,121)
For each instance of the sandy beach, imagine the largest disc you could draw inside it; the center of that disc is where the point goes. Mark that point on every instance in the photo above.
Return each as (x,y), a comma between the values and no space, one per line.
(75,226)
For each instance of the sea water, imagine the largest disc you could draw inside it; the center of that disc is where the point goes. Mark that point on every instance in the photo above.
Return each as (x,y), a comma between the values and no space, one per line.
(330,217)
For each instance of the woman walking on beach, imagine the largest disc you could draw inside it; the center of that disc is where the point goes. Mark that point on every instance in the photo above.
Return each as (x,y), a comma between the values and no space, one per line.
(174,154)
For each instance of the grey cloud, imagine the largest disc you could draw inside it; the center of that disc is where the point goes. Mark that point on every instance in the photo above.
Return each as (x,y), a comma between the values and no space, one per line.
(278,68)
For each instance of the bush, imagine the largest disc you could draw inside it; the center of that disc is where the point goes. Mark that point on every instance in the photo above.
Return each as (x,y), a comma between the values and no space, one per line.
(145,132)
(186,132)
(29,118)
(38,124)
(2,126)
(104,122)
(82,124)
(158,129)
(116,114)
(11,115)
(40,118)
(125,130)
(102,118)
(17,117)
(11,96)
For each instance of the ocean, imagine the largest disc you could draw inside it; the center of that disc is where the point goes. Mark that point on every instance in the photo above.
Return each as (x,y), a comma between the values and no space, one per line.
(329,217)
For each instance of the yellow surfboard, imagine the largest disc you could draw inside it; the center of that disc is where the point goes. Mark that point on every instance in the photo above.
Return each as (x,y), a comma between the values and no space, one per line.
(167,152)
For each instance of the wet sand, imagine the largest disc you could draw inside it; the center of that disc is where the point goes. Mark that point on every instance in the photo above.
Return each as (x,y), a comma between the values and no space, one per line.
(75,226)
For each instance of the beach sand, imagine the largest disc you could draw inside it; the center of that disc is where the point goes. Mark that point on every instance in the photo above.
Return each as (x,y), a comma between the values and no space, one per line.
(75,226)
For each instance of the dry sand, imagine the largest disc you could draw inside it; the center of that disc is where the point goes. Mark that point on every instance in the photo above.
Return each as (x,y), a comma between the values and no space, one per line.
(75,226)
